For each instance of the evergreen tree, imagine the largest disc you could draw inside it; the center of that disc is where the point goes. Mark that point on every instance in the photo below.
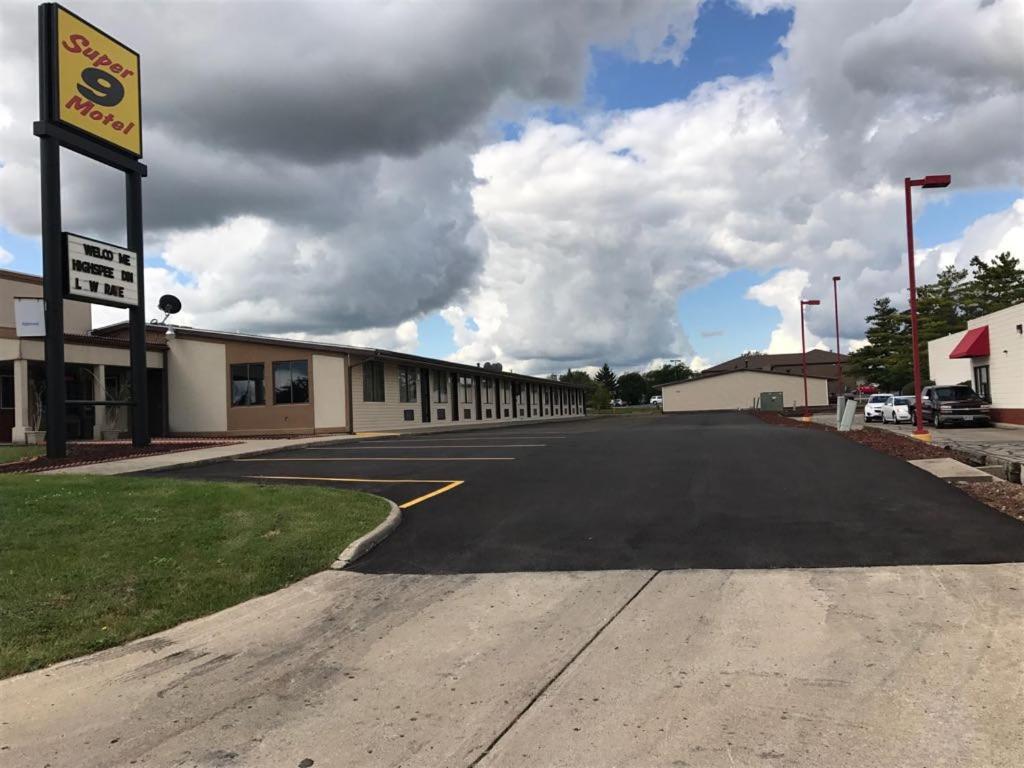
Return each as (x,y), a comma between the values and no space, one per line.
(940,310)
(607,378)
(885,360)
(993,286)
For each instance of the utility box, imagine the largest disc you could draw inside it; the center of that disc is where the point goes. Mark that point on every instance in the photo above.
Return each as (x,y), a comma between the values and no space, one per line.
(771,401)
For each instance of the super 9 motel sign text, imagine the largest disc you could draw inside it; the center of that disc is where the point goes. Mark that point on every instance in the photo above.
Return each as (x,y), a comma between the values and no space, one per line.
(98,84)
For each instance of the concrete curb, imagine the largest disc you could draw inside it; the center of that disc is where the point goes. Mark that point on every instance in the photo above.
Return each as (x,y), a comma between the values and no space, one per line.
(368,541)
(75,468)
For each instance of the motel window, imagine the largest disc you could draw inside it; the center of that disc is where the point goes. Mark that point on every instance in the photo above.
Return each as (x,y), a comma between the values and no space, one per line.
(407,384)
(6,392)
(488,390)
(247,384)
(373,382)
(440,386)
(466,389)
(291,382)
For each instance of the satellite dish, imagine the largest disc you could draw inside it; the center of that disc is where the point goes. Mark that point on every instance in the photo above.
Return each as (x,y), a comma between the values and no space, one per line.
(169,304)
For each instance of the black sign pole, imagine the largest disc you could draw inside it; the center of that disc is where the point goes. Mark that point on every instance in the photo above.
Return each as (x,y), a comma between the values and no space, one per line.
(137,314)
(53,285)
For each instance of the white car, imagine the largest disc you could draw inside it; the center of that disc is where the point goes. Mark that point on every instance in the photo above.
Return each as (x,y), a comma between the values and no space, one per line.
(873,407)
(896,409)
(656,400)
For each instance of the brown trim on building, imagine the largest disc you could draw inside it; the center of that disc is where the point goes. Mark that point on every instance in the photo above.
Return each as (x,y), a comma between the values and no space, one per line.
(269,417)
(1007,415)
(20,277)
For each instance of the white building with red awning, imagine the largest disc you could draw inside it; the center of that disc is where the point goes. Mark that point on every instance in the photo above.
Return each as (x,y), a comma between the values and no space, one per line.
(989,356)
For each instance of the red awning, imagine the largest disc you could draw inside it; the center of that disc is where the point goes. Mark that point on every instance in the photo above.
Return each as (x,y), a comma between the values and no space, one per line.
(973,344)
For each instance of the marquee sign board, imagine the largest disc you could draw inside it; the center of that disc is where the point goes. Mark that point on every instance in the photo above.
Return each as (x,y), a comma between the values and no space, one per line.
(100,273)
(97,84)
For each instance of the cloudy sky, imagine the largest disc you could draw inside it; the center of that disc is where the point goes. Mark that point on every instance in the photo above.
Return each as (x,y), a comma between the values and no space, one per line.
(548,184)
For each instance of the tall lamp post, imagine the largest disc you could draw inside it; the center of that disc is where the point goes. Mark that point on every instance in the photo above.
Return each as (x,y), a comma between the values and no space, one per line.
(839,361)
(928,182)
(803,351)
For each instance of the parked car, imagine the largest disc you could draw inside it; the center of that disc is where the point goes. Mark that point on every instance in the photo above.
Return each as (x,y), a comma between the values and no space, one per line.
(656,399)
(873,407)
(955,404)
(897,408)
(618,403)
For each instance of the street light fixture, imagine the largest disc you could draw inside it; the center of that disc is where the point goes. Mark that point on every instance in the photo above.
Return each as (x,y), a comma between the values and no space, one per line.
(803,351)
(928,182)
(839,364)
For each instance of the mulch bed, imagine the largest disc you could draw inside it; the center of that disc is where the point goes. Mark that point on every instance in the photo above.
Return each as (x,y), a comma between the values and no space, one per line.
(1006,497)
(94,453)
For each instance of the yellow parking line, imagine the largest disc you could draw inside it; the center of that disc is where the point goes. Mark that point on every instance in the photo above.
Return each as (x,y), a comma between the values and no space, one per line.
(432,494)
(449,484)
(390,458)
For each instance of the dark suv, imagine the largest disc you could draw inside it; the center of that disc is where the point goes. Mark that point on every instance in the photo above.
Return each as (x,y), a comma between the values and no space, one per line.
(959,404)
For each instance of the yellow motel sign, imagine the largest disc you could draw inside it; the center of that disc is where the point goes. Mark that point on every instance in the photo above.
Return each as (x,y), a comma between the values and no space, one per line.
(97,84)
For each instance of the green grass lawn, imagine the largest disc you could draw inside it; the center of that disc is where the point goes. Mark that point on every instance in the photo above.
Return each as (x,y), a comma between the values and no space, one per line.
(90,562)
(15,452)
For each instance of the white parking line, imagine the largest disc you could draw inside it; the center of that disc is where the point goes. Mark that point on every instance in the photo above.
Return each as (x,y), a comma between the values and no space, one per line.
(388,458)
(419,446)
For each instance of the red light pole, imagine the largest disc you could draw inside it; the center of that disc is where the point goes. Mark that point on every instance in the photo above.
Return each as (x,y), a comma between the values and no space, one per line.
(803,351)
(839,364)
(928,182)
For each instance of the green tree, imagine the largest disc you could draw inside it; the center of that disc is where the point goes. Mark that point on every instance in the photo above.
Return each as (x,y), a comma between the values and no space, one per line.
(993,286)
(885,360)
(607,377)
(601,399)
(669,372)
(940,309)
(582,380)
(633,388)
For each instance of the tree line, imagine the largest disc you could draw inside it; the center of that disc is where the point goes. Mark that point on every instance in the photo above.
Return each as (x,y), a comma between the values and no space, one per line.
(943,307)
(632,387)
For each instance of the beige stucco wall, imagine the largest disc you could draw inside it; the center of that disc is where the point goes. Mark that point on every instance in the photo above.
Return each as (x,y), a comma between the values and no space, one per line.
(77,314)
(33,349)
(329,392)
(197,383)
(739,389)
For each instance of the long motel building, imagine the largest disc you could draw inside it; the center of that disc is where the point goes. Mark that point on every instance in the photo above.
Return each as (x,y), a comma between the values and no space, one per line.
(207,382)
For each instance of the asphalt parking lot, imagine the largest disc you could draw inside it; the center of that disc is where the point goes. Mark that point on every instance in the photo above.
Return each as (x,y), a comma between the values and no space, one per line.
(658,492)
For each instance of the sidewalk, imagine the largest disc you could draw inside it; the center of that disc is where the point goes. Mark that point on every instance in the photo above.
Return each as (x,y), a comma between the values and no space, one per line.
(200,455)
(991,445)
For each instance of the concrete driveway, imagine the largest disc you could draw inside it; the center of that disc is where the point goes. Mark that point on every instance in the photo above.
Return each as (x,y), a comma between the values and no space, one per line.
(730,594)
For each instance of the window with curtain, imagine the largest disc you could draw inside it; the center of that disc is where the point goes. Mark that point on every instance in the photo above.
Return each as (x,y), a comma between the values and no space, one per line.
(291,382)
(373,382)
(466,389)
(407,384)
(440,387)
(247,384)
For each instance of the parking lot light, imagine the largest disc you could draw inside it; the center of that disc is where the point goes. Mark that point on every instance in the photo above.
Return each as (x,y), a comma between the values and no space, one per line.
(928,182)
(839,362)
(803,351)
